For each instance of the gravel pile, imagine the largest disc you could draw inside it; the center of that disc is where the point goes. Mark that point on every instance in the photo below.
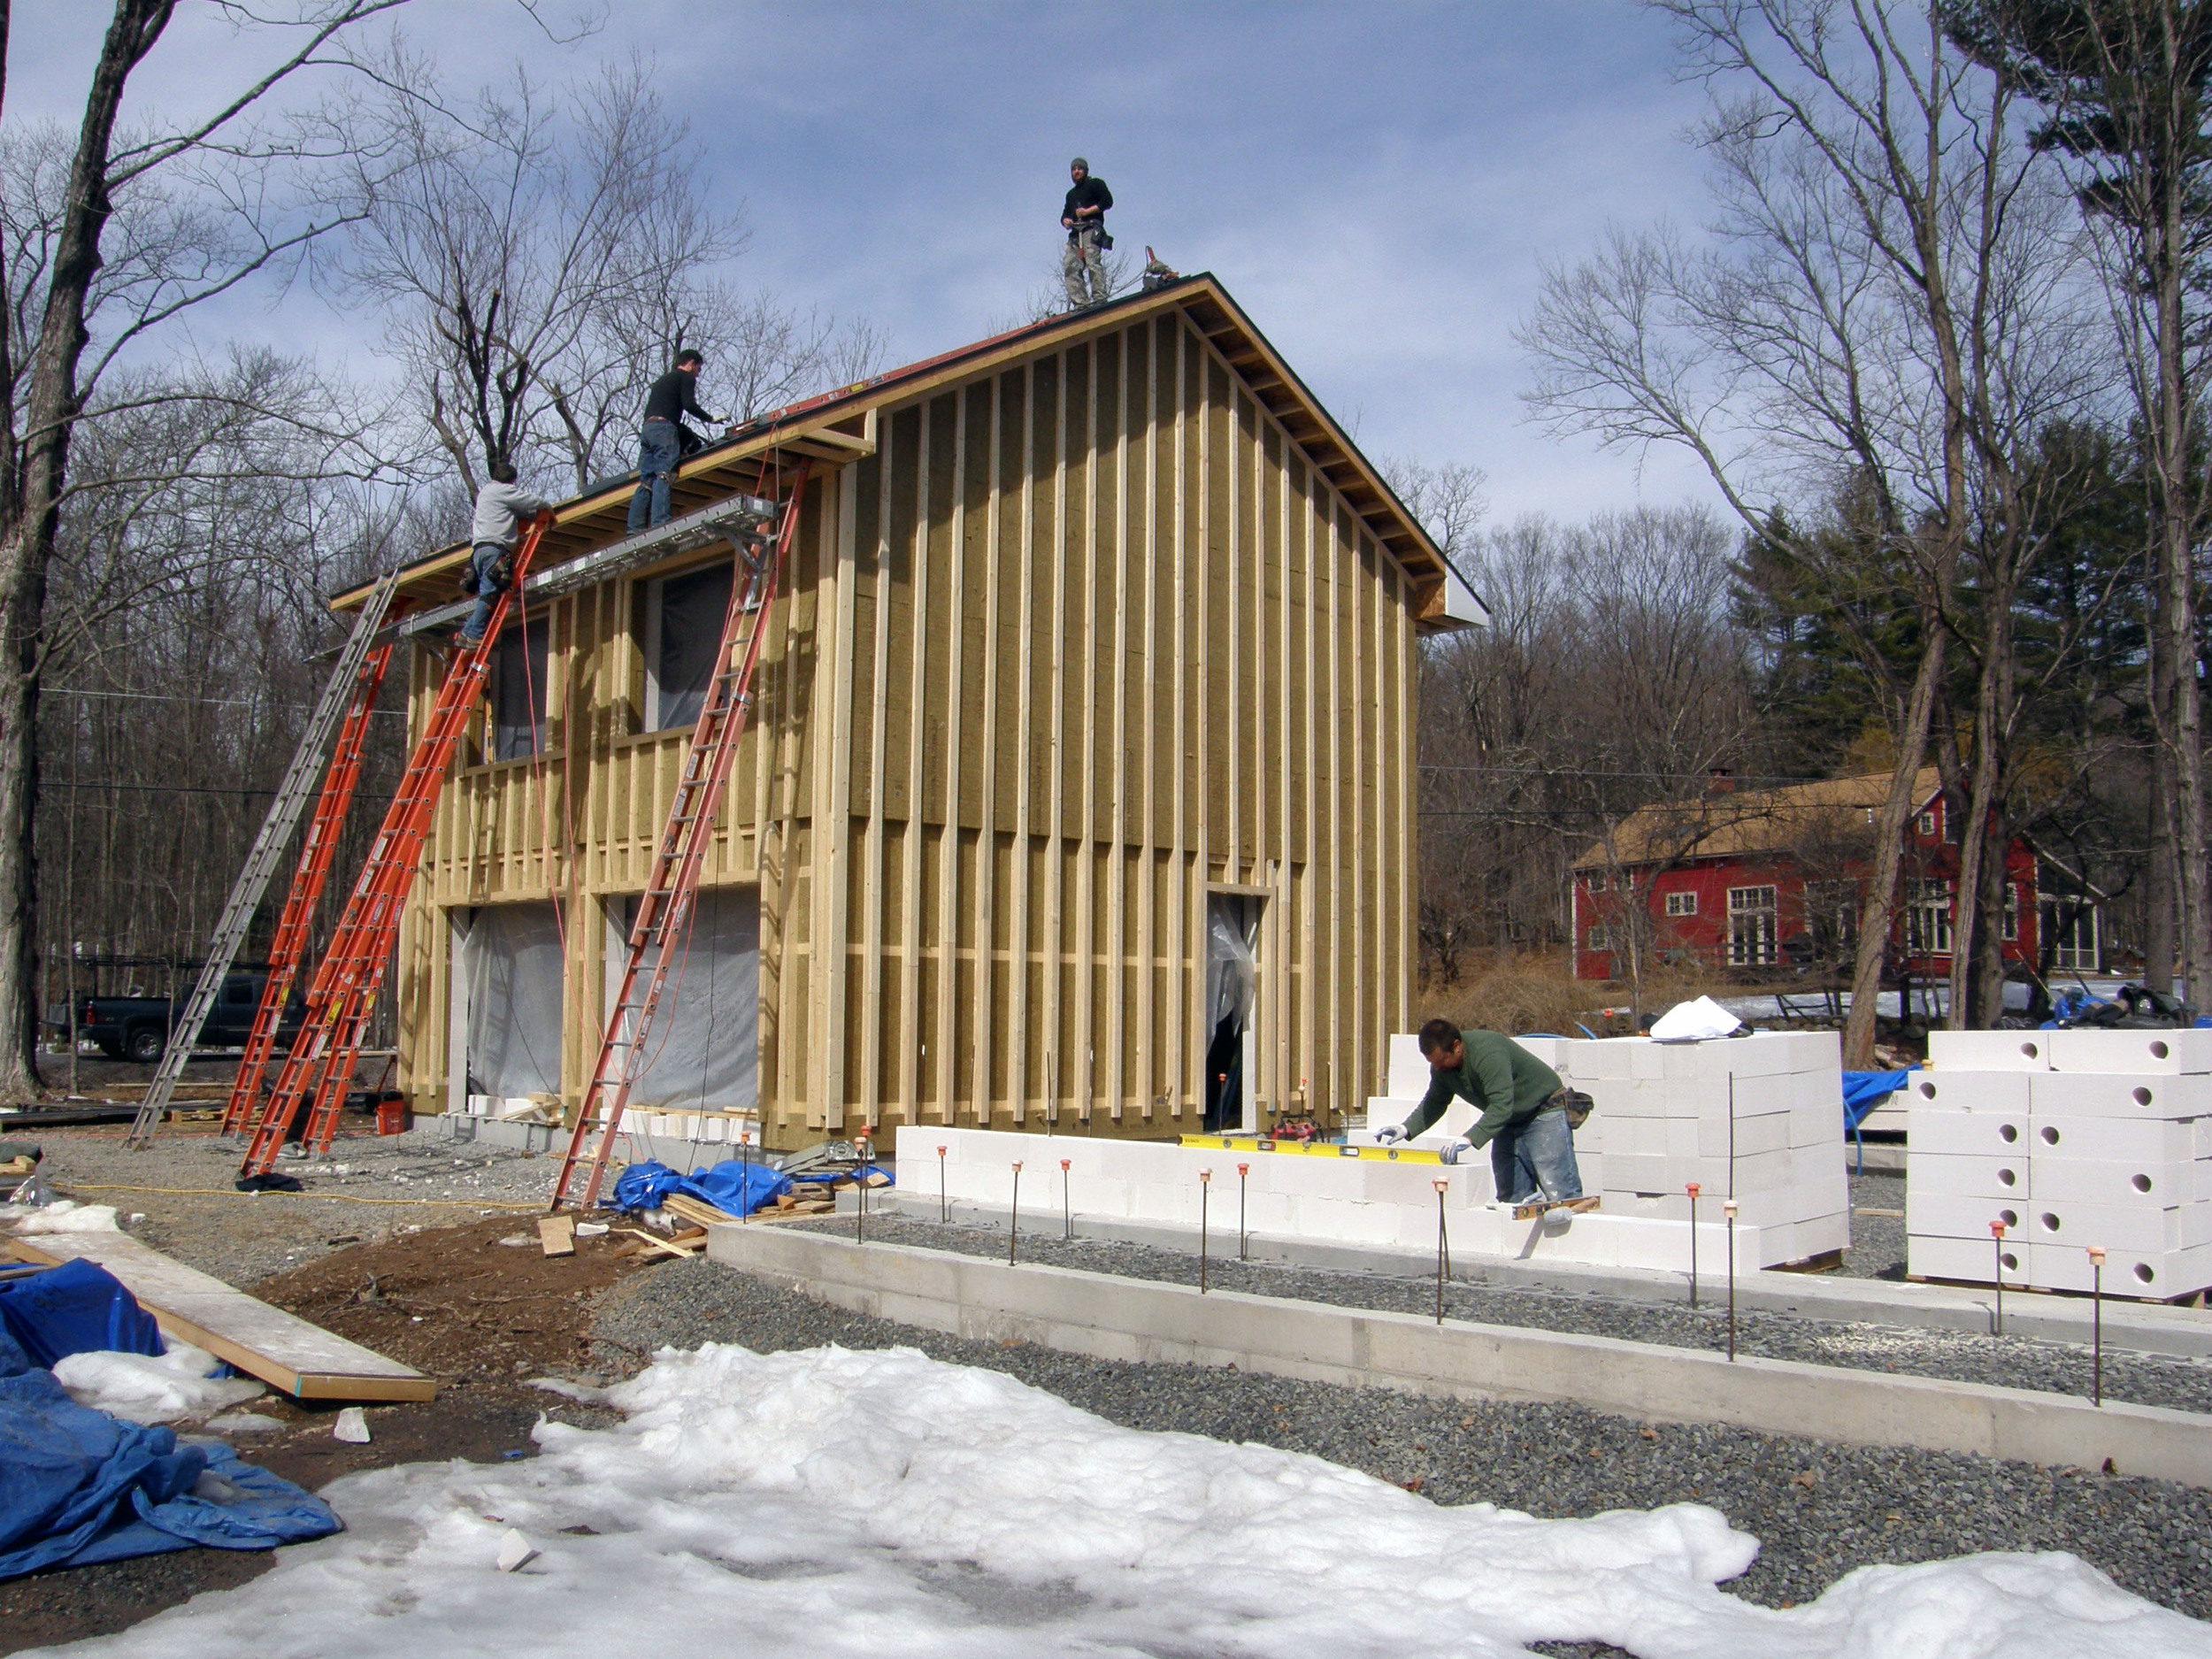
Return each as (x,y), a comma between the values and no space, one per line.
(177,1193)
(1878,1240)
(1820,1510)
(1961,1356)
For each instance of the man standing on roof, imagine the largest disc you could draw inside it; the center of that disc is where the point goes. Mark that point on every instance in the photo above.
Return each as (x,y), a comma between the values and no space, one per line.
(501,510)
(660,440)
(1084,217)
(1527,1114)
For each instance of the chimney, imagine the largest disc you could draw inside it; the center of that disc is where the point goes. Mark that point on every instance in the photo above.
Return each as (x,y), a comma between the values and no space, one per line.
(1720,780)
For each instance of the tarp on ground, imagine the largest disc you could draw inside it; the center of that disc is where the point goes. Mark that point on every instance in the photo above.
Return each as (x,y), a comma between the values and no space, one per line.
(736,1187)
(82,1487)
(77,1307)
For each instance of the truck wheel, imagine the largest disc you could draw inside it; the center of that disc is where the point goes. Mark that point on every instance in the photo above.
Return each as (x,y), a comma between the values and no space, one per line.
(145,1044)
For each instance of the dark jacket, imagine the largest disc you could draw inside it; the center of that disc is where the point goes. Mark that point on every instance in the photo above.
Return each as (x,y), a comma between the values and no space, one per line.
(1505,1082)
(1091,193)
(676,393)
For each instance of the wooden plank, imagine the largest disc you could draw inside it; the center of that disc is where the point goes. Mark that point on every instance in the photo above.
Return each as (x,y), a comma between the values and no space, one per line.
(953,766)
(1018,1074)
(986,839)
(1118,875)
(911,843)
(878,812)
(1055,861)
(557,1234)
(282,1349)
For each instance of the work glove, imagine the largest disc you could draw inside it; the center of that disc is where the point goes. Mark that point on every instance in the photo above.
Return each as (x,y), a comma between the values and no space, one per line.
(1452,1151)
(1390,1133)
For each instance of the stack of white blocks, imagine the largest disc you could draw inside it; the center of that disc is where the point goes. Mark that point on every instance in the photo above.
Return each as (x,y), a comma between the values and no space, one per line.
(2071,1138)
(1671,1113)
(1308,1196)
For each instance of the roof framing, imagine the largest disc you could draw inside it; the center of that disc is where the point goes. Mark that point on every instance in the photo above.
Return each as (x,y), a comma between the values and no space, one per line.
(839,426)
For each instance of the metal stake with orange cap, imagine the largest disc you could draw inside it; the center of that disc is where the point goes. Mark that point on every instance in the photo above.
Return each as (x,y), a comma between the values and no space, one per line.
(2096,1324)
(1997,1232)
(1014,1214)
(944,1209)
(1728,1208)
(1067,1205)
(1692,1190)
(1443,1245)
(1243,1170)
(867,1161)
(1205,1187)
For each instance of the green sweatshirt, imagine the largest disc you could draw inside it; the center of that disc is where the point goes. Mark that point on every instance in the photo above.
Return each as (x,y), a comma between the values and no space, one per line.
(1505,1081)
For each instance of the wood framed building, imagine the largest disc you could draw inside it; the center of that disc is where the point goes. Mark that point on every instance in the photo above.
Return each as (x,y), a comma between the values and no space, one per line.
(1091,687)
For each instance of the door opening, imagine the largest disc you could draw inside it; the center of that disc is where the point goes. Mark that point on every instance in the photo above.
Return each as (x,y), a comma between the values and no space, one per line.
(1232,932)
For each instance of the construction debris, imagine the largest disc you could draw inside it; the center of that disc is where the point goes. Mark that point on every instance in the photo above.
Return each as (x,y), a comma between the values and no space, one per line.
(557,1234)
(351,1427)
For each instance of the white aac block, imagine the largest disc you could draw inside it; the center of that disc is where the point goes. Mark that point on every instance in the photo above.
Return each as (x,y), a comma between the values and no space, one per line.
(1817,1235)
(1409,1071)
(1816,1125)
(1551,1050)
(1988,1051)
(1955,1175)
(1753,1172)
(2143,1229)
(2147,1139)
(2159,1182)
(2175,1053)
(2160,1274)
(1941,1216)
(1970,1260)
(1971,1091)
(2119,1094)
(1755,1097)
(1975,1133)
(1752,1135)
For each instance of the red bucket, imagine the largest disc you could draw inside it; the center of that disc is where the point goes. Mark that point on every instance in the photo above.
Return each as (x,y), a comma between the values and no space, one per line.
(393,1117)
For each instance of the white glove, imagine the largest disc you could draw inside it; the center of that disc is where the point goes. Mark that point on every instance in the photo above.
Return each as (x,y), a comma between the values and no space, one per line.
(1389,1133)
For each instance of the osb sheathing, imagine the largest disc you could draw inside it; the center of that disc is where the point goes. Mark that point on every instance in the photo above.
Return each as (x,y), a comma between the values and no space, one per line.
(1085,638)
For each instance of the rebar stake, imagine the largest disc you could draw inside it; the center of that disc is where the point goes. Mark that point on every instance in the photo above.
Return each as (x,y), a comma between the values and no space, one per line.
(1997,1234)
(1728,1208)
(1693,1191)
(1067,1205)
(2096,1324)
(1443,1246)
(944,1209)
(745,1175)
(860,1207)
(1205,1187)
(1014,1215)
(1243,1170)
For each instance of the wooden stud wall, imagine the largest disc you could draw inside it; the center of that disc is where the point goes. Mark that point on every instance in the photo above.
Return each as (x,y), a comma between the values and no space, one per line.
(1085,638)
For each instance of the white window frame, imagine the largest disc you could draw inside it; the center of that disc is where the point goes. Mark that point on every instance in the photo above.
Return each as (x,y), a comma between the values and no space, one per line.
(1753,927)
(1931,821)
(2067,954)
(1601,938)
(1929,902)
(1682,904)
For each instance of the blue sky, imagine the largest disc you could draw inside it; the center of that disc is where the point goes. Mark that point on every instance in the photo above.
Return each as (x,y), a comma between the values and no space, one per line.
(1377,183)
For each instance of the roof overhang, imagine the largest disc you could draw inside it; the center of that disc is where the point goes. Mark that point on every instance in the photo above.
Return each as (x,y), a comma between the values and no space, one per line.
(839,426)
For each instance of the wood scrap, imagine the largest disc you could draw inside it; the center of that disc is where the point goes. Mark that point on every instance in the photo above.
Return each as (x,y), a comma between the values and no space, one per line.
(691,1209)
(667,1247)
(557,1234)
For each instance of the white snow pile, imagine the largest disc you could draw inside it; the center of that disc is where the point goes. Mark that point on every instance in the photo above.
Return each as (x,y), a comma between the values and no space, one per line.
(65,1215)
(174,1387)
(836,1504)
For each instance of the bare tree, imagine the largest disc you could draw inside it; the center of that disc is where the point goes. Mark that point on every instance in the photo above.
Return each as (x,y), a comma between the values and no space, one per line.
(140,228)
(1880,270)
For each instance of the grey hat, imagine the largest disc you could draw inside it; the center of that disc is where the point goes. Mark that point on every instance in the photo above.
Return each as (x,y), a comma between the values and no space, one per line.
(1079,162)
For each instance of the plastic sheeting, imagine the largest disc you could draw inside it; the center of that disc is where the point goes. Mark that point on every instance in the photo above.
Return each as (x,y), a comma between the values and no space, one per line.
(703,1051)
(1232,962)
(512,958)
(738,1187)
(72,1309)
(693,608)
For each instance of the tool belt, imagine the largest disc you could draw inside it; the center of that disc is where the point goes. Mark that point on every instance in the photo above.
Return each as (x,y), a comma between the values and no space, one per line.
(1576,1104)
(1091,227)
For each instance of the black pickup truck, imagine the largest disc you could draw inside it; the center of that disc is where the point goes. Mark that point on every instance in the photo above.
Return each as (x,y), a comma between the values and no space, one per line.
(137,1027)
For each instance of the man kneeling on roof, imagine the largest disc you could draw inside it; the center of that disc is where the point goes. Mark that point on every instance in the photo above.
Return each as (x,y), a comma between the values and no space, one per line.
(1527,1115)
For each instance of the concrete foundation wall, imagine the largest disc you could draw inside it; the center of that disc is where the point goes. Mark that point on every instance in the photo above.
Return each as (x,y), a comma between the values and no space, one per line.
(1134,1319)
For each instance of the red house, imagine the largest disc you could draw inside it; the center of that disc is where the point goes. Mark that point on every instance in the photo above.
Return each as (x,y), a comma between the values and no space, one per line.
(1775,878)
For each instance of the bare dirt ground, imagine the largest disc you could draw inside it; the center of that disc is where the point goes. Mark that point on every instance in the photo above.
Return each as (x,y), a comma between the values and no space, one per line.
(422,1277)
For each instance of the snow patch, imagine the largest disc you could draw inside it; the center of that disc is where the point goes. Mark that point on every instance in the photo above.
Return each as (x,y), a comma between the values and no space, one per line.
(830,1502)
(65,1215)
(171,1387)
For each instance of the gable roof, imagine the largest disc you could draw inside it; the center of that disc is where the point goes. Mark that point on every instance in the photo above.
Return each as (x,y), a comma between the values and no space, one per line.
(1747,821)
(839,425)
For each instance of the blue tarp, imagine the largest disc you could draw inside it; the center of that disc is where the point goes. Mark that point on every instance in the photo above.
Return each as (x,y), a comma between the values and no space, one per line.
(738,1187)
(82,1487)
(77,1307)
(1864,1091)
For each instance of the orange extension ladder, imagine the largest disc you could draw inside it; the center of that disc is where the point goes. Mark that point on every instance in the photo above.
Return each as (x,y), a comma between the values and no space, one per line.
(344,996)
(316,853)
(665,908)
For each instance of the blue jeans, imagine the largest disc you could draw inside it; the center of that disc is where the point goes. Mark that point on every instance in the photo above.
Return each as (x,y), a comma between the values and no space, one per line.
(1537,1153)
(658,450)
(482,557)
